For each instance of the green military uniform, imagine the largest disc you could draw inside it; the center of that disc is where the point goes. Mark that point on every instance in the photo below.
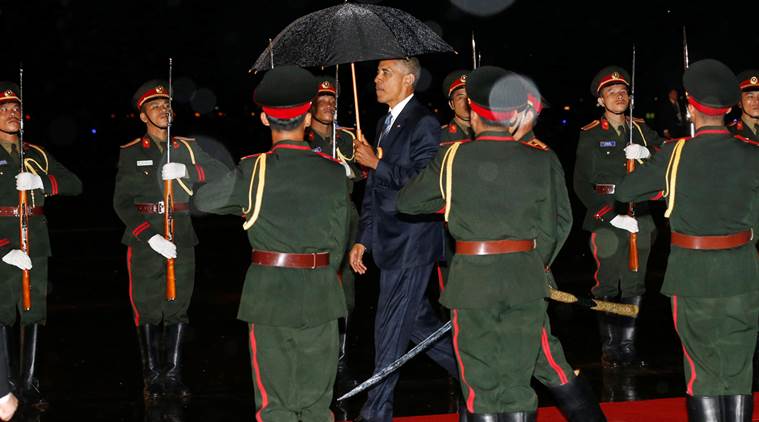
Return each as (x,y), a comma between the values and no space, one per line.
(710,182)
(296,204)
(344,153)
(600,164)
(56,180)
(452,133)
(138,200)
(497,300)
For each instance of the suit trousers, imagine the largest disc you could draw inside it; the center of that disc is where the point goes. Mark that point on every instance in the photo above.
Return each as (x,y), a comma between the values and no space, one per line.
(403,315)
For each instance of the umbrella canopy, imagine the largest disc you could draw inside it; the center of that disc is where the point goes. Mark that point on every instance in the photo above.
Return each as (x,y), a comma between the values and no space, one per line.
(350,33)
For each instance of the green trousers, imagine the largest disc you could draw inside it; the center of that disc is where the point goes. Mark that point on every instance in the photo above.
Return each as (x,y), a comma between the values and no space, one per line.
(611,251)
(293,372)
(552,368)
(718,337)
(147,285)
(497,351)
(11,296)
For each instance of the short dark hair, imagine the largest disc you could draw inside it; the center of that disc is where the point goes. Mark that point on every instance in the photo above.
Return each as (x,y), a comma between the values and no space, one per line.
(285,124)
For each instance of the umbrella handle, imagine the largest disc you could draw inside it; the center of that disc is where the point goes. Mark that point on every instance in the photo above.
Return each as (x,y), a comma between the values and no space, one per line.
(359,134)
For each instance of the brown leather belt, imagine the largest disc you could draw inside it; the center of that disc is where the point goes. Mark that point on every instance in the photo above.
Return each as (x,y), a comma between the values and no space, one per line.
(727,241)
(291,260)
(13,211)
(604,188)
(493,247)
(159,208)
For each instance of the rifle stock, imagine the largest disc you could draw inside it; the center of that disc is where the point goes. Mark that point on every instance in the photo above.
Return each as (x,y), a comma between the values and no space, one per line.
(23,226)
(168,226)
(633,256)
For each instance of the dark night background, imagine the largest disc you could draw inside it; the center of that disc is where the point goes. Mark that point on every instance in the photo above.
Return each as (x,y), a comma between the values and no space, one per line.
(83,61)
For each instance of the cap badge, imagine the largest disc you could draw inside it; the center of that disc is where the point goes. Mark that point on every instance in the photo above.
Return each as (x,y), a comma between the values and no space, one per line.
(615,75)
(754,80)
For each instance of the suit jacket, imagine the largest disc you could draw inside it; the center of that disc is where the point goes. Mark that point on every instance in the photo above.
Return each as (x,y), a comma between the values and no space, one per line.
(396,240)
(4,386)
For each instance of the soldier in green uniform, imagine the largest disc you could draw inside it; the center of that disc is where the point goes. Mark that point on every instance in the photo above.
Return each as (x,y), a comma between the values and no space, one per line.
(297,212)
(138,200)
(506,235)
(454,89)
(710,182)
(42,176)
(319,137)
(572,394)
(748,124)
(602,152)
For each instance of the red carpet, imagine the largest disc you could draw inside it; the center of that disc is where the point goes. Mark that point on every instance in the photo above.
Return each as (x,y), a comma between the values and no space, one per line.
(669,410)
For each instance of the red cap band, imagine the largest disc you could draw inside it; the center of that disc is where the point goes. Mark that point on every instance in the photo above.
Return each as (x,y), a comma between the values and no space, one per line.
(611,79)
(490,114)
(458,83)
(157,92)
(711,111)
(287,112)
(535,102)
(8,95)
(752,82)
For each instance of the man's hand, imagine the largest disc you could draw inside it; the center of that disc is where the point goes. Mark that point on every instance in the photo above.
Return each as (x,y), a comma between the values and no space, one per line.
(171,171)
(636,152)
(364,153)
(625,222)
(163,246)
(28,181)
(356,256)
(8,405)
(18,258)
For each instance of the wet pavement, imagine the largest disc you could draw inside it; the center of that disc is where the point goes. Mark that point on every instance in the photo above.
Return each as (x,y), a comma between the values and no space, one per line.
(90,363)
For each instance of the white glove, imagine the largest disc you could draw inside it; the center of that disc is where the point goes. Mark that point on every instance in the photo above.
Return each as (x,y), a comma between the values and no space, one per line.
(171,171)
(636,152)
(18,258)
(625,222)
(28,181)
(163,246)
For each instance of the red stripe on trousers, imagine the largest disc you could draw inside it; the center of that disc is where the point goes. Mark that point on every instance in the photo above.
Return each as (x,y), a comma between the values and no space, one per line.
(685,352)
(551,361)
(131,295)
(257,370)
(440,277)
(470,390)
(595,256)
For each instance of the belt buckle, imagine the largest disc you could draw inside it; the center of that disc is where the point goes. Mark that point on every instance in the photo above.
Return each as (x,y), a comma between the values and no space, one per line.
(608,188)
(313,265)
(160,207)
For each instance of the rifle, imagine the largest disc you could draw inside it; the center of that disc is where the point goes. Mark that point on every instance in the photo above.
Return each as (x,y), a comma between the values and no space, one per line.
(23,202)
(685,65)
(633,245)
(168,201)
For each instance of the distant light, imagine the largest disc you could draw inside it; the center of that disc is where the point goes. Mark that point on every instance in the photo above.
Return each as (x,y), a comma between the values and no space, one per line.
(28,117)
(220,113)
(567,108)
(252,114)
(113,115)
(564,122)
(94,131)
(197,114)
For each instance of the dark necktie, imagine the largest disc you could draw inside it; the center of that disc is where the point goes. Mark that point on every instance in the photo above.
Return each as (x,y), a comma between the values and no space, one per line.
(385,126)
(14,153)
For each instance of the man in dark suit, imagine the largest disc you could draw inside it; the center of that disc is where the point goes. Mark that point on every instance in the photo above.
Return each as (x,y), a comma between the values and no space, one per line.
(404,247)
(671,117)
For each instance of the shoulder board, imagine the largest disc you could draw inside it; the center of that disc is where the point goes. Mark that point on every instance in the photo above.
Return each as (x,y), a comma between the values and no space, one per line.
(136,141)
(328,157)
(29,145)
(182,138)
(449,143)
(733,123)
(591,125)
(639,120)
(534,143)
(444,127)
(348,132)
(250,156)
(675,140)
(746,140)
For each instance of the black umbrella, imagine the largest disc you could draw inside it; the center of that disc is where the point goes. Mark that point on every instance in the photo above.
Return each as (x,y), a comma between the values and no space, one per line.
(350,33)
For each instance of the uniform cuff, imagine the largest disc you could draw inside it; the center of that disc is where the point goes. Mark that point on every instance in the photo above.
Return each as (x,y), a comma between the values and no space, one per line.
(143,231)
(200,174)
(50,184)
(599,215)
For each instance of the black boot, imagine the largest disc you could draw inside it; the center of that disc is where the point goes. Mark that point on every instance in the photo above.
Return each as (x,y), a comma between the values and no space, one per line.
(148,336)
(30,385)
(11,361)
(609,335)
(756,366)
(344,380)
(518,417)
(737,408)
(479,417)
(627,352)
(577,402)
(172,376)
(704,408)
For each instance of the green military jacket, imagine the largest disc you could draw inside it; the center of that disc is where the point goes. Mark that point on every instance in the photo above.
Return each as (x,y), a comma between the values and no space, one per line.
(601,159)
(740,128)
(138,181)
(452,132)
(303,208)
(717,186)
(501,189)
(343,151)
(56,180)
